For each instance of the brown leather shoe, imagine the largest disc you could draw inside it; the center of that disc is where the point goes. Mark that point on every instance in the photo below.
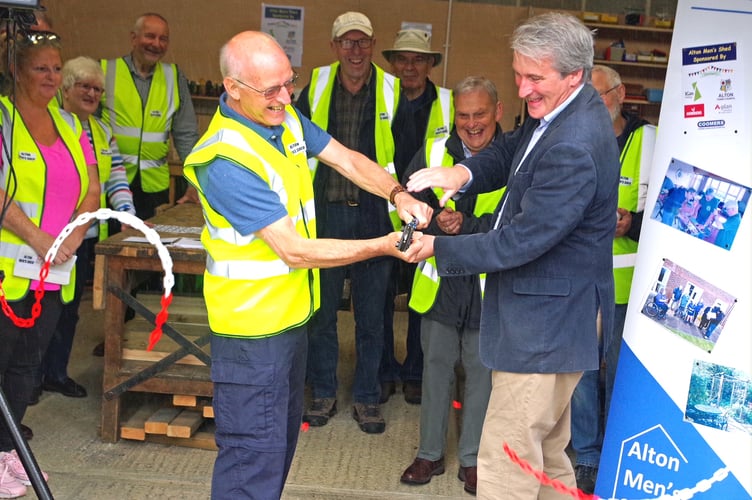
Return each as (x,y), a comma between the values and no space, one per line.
(470,476)
(421,471)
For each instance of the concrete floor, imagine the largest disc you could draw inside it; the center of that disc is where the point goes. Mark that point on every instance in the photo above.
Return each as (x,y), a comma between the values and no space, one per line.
(335,462)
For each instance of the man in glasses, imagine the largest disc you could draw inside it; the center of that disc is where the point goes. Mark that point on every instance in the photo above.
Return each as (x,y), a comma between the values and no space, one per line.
(636,138)
(356,102)
(261,283)
(431,112)
(145,101)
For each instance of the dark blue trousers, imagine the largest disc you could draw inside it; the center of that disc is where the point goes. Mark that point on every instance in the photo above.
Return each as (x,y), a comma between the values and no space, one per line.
(258,408)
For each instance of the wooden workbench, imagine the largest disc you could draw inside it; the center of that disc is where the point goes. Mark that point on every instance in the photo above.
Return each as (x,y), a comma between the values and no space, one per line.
(116,262)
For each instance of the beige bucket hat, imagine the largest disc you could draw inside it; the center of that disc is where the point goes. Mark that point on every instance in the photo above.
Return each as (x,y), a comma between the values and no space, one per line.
(413,40)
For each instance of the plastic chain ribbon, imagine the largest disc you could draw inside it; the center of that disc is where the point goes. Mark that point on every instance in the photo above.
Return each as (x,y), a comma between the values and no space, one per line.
(102,214)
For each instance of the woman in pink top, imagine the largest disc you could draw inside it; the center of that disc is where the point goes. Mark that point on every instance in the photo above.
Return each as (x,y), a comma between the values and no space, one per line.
(49,176)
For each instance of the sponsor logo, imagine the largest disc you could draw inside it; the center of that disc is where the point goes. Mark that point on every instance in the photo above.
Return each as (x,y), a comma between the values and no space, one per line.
(694,111)
(723,108)
(711,124)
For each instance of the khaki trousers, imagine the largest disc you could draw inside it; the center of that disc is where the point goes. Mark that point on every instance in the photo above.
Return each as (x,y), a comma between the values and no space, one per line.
(531,413)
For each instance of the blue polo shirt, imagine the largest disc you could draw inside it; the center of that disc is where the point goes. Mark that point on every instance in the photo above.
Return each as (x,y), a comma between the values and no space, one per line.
(251,205)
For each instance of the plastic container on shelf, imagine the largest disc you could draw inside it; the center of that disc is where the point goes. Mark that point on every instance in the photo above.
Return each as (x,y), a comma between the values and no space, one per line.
(654,95)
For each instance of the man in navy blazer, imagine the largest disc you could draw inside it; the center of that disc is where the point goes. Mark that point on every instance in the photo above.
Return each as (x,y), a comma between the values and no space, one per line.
(548,258)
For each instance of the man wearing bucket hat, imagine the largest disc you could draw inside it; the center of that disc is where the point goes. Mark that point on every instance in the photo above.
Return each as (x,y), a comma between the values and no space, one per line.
(356,102)
(430,113)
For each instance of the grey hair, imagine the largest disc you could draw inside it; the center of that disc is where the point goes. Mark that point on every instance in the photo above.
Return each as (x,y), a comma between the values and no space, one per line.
(560,37)
(81,68)
(473,83)
(139,24)
(612,76)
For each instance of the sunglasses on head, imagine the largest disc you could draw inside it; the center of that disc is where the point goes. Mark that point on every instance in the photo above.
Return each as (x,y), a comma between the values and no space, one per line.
(37,37)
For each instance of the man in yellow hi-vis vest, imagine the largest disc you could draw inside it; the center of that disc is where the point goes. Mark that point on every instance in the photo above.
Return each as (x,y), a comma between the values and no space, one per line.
(430,111)
(636,139)
(261,283)
(450,307)
(145,102)
(356,102)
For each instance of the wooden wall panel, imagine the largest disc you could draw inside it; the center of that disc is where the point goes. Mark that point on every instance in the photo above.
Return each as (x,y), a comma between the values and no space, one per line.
(477,44)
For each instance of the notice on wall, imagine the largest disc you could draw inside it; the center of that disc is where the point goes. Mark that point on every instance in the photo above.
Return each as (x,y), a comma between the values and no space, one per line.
(285,24)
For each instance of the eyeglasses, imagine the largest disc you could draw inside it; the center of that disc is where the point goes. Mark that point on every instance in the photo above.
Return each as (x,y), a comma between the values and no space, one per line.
(272,92)
(609,90)
(37,37)
(88,88)
(348,44)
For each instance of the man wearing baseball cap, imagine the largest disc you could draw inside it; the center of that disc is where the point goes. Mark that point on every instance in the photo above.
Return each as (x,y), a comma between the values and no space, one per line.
(356,102)
(430,113)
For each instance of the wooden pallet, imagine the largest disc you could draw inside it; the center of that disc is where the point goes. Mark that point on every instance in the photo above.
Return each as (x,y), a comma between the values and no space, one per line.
(178,419)
(187,423)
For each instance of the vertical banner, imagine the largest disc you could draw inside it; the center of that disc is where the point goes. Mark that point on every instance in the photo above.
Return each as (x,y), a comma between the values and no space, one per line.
(680,421)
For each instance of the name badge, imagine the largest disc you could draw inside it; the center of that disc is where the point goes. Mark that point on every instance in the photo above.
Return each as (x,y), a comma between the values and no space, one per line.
(26,155)
(155,113)
(28,264)
(296,147)
(106,151)
(625,181)
(383,116)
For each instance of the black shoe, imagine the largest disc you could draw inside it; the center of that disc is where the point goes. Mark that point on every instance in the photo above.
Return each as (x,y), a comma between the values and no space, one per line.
(585,477)
(26,432)
(35,395)
(68,387)
(98,350)
(387,389)
(413,392)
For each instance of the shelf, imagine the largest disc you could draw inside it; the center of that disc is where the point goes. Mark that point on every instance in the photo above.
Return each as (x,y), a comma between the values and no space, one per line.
(629,27)
(641,102)
(636,64)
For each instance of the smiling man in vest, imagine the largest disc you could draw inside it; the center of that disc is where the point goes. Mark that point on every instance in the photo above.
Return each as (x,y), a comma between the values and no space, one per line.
(261,283)
(356,102)
(450,307)
(145,101)
(430,111)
